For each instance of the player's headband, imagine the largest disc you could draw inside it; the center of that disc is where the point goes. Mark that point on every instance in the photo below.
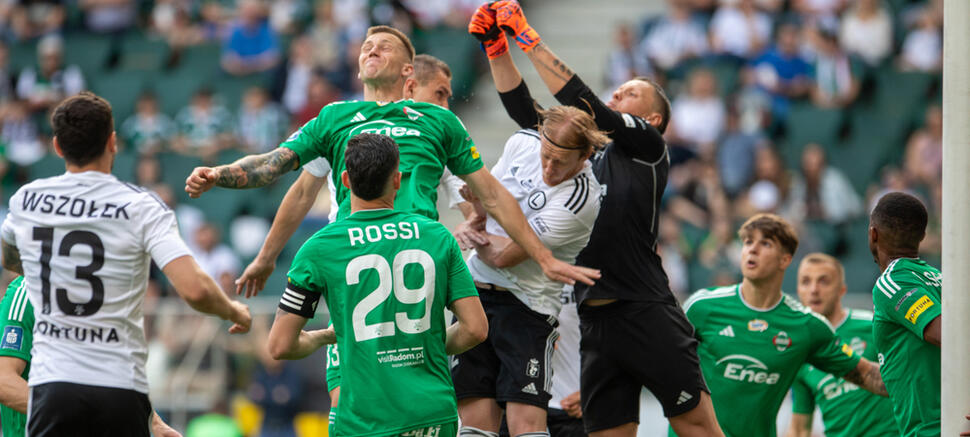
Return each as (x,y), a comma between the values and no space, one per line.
(542,132)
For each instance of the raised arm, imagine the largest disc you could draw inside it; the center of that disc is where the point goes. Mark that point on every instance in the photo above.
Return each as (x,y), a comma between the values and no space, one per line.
(248,172)
(294,207)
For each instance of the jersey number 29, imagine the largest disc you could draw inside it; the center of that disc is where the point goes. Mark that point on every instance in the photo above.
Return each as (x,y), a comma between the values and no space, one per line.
(391,277)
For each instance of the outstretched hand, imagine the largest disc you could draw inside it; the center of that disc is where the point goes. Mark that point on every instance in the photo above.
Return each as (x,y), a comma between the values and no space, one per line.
(568,274)
(484,28)
(201,180)
(253,279)
(511,19)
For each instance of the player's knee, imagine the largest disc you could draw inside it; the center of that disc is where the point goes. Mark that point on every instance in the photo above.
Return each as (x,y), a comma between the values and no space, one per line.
(470,431)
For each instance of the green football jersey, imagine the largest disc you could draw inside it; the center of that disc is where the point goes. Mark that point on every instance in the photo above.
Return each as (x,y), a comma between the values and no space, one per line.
(429,138)
(750,356)
(16,326)
(847,410)
(907,297)
(386,277)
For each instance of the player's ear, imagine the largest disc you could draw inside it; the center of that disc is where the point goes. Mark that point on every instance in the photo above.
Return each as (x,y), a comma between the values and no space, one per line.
(407,70)
(112,146)
(654,119)
(345,179)
(57,147)
(409,85)
(786,259)
(396,180)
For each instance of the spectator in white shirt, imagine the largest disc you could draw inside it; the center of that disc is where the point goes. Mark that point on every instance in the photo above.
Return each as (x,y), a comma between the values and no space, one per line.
(923,47)
(624,62)
(739,29)
(699,113)
(675,37)
(216,259)
(867,31)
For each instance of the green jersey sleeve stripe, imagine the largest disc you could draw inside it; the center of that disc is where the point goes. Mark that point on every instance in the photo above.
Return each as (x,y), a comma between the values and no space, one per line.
(704,295)
(884,288)
(19,306)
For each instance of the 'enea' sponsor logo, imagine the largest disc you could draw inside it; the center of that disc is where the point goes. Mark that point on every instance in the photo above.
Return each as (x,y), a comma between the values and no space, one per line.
(918,308)
(384,127)
(747,369)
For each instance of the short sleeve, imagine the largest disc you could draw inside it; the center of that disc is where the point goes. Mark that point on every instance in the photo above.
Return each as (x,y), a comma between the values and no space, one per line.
(319,167)
(8,230)
(16,322)
(460,283)
(311,140)
(908,304)
(304,273)
(452,185)
(557,227)
(160,234)
(803,400)
(463,156)
(830,354)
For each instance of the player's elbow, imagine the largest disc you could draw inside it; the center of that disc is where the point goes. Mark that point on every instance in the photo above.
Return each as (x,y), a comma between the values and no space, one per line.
(478,330)
(278,349)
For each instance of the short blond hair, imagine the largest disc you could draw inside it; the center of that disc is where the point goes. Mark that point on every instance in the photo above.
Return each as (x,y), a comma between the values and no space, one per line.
(821,258)
(408,47)
(577,129)
(426,67)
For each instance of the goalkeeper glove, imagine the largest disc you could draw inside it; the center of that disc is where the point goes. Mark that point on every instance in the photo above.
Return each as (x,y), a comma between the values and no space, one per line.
(510,18)
(484,27)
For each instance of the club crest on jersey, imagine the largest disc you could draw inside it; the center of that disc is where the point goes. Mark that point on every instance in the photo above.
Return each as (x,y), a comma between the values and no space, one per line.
(532,368)
(782,341)
(412,114)
(13,337)
(757,325)
(858,345)
(537,200)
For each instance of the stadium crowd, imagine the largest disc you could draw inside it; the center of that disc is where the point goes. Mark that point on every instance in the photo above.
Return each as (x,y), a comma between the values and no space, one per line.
(744,77)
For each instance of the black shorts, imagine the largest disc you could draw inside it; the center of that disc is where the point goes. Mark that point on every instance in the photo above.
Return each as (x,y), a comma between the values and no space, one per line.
(514,364)
(626,345)
(63,408)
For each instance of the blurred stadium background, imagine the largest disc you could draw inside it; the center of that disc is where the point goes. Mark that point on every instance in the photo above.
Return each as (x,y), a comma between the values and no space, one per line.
(807,108)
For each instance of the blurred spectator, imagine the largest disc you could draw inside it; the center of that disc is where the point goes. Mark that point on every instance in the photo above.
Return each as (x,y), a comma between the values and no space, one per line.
(867,31)
(624,61)
(204,127)
(346,75)
(53,82)
(675,37)
(215,258)
(213,21)
(819,9)
(30,19)
(189,218)
(736,155)
(261,123)
(923,48)
(698,197)
(19,135)
(108,16)
(823,192)
(326,37)
(674,250)
(771,187)
(739,29)
(278,388)
(291,80)
(321,93)
(782,72)
(923,162)
(148,172)
(699,113)
(837,78)
(720,249)
(252,46)
(147,130)
(893,179)
(352,16)
(285,15)
(173,20)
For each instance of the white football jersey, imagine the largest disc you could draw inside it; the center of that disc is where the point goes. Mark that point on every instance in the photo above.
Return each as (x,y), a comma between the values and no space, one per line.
(561,216)
(565,360)
(86,241)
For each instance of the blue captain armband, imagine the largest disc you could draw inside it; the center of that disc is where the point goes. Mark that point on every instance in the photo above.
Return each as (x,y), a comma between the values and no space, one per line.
(299,301)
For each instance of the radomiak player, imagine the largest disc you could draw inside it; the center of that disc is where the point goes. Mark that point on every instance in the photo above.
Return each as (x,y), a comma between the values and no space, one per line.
(16,341)
(908,304)
(83,242)
(548,173)
(388,277)
(431,138)
(754,338)
(847,410)
(630,316)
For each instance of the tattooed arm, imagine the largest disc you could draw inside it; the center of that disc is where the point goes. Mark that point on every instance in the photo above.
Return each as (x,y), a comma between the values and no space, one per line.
(248,172)
(551,69)
(867,375)
(11,258)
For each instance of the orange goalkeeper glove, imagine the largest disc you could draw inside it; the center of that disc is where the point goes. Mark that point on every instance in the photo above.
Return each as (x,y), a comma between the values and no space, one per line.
(510,18)
(484,27)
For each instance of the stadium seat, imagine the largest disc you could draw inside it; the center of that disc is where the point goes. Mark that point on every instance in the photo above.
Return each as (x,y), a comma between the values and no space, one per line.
(140,52)
(175,89)
(124,165)
(903,95)
(22,54)
(49,165)
(810,124)
(230,89)
(121,89)
(175,168)
(88,51)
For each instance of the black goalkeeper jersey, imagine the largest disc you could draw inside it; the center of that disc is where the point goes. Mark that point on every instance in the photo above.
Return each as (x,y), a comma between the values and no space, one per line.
(633,170)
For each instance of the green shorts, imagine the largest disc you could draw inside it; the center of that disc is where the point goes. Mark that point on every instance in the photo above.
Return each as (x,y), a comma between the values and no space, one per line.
(443,430)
